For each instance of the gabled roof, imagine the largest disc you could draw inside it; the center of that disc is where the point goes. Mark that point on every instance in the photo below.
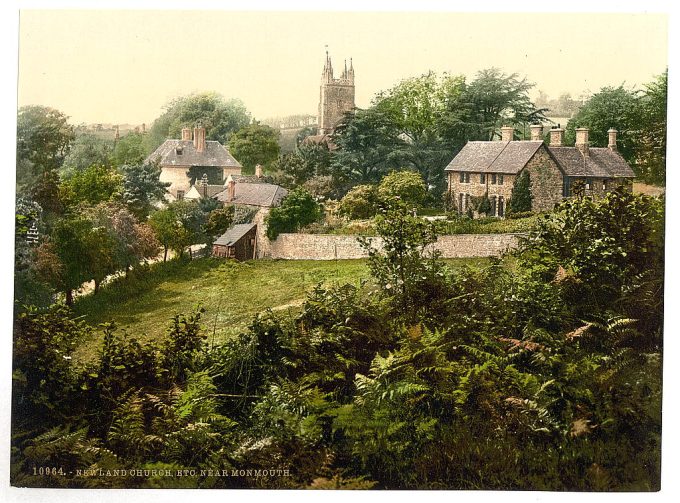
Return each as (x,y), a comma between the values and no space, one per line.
(494,156)
(233,234)
(511,157)
(214,155)
(196,191)
(254,194)
(600,163)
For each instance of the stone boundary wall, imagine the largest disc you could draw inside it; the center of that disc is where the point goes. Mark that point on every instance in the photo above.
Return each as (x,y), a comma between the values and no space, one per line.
(331,246)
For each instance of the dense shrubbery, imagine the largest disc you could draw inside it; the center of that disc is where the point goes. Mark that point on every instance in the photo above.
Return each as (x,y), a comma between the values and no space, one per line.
(544,375)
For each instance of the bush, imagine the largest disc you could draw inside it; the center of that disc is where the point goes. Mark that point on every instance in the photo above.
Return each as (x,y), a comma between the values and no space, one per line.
(407,186)
(360,203)
(521,194)
(297,210)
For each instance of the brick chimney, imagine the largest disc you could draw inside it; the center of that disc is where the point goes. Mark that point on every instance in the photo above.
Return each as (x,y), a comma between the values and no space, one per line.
(612,139)
(231,189)
(557,137)
(199,139)
(536,132)
(186,134)
(582,140)
(258,171)
(507,133)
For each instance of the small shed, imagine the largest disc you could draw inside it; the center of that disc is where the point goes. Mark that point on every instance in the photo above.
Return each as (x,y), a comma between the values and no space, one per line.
(237,243)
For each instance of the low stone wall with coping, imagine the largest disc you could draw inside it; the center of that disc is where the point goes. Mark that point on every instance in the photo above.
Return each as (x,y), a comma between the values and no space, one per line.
(332,246)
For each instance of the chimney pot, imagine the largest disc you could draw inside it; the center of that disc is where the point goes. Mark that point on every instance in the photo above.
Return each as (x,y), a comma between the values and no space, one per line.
(199,139)
(507,133)
(556,137)
(536,132)
(231,189)
(186,134)
(612,138)
(582,140)
(258,171)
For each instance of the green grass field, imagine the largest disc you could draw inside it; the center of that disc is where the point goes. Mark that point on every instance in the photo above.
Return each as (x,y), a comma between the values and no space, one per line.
(231,292)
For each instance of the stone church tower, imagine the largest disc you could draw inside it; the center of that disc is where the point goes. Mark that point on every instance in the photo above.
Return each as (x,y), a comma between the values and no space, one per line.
(336,96)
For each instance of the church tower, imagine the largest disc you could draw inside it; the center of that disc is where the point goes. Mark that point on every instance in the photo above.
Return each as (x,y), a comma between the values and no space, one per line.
(336,96)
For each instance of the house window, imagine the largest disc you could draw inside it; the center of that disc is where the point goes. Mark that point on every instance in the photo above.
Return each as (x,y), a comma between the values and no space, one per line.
(500,179)
(604,184)
(461,201)
(501,207)
(493,178)
(462,177)
(589,183)
(482,178)
(180,195)
(493,206)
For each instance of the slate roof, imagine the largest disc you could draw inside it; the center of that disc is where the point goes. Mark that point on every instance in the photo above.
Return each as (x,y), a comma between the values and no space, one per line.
(511,157)
(233,234)
(214,155)
(494,156)
(600,163)
(254,194)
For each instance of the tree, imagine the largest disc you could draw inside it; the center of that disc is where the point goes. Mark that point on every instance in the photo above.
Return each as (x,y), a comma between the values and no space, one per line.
(218,116)
(91,186)
(611,107)
(87,150)
(165,227)
(521,194)
(219,220)
(44,137)
(416,107)
(649,136)
(360,202)
(255,144)
(368,147)
(129,150)
(490,101)
(405,186)
(142,188)
(297,210)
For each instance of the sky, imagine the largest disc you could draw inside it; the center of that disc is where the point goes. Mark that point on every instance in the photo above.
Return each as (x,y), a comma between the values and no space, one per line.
(120,66)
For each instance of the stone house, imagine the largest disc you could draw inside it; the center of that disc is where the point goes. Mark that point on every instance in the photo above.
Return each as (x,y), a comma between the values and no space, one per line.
(185,161)
(237,243)
(490,168)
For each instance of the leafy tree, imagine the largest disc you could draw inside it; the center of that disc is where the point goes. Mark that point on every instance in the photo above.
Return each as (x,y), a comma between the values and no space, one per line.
(321,187)
(255,144)
(484,205)
(611,107)
(405,186)
(416,107)
(297,210)
(521,194)
(142,188)
(491,100)
(87,150)
(165,226)
(220,118)
(649,136)
(44,137)
(219,220)
(91,186)
(360,202)
(368,146)
(130,150)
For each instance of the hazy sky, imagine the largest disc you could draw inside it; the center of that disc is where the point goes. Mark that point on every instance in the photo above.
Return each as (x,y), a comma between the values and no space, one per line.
(123,66)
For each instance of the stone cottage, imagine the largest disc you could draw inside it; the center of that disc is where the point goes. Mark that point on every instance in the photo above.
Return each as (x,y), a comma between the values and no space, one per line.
(555,171)
(185,161)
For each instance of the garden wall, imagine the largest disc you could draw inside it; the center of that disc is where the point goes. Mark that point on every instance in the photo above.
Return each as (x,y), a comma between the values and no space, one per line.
(330,246)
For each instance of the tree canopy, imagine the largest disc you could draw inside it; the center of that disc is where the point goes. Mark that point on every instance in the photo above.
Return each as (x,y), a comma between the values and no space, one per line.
(255,144)
(219,116)
(87,150)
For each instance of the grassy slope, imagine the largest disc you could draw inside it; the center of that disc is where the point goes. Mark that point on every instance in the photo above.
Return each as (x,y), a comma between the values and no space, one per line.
(232,293)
